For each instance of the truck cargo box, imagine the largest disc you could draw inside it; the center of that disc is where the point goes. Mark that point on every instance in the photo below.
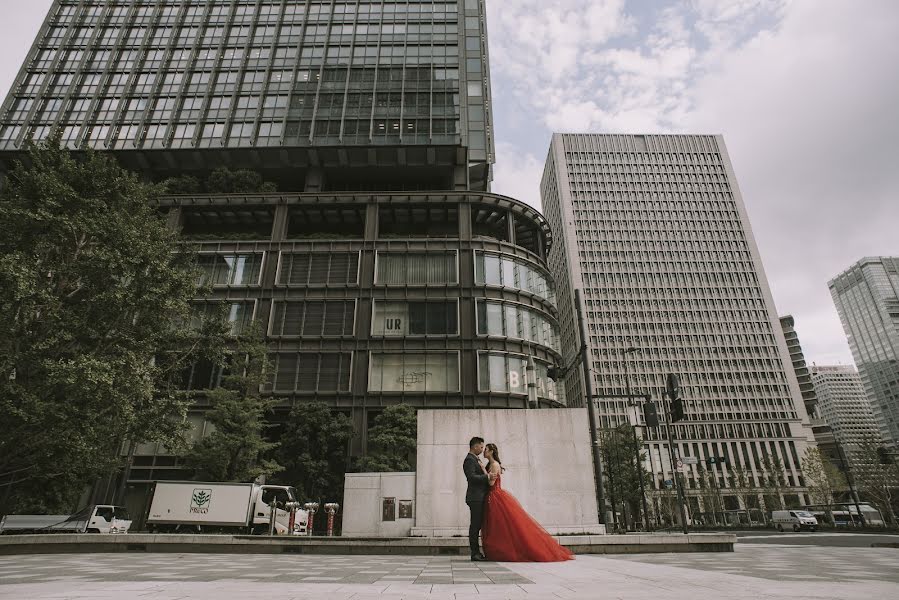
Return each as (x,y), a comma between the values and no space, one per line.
(200,503)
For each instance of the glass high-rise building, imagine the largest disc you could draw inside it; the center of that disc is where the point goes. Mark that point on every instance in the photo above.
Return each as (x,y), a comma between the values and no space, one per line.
(653,230)
(323,94)
(867,298)
(383,270)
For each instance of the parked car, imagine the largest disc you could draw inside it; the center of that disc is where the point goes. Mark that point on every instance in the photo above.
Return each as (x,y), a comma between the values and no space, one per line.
(796,520)
(99,518)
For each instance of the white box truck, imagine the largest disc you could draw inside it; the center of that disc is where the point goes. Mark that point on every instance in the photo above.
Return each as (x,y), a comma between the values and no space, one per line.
(204,507)
(96,518)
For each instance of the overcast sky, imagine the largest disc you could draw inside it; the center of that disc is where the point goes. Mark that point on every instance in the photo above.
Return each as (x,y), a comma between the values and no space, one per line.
(805,92)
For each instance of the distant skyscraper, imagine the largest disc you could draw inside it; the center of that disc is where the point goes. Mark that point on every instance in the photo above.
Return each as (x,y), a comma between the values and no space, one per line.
(867,298)
(800,368)
(653,229)
(844,405)
(822,432)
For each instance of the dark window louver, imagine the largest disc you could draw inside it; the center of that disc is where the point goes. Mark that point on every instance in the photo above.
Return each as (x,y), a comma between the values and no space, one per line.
(319,269)
(311,372)
(313,318)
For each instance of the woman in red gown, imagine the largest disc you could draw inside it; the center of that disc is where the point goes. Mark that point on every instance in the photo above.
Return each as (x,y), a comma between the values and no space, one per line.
(509,533)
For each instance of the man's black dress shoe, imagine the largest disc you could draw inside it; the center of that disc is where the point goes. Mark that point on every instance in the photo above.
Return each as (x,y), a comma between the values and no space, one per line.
(478,558)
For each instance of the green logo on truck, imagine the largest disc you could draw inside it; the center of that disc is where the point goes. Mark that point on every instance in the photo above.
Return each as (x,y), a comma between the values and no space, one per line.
(199,501)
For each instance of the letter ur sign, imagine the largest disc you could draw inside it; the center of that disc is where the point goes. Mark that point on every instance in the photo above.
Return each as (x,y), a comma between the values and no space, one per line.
(393,325)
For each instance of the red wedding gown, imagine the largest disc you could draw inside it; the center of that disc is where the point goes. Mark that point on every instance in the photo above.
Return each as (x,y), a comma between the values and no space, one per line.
(510,534)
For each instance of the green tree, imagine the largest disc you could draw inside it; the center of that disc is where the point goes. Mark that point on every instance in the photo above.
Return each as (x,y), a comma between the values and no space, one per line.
(237,449)
(242,181)
(313,451)
(823,479)
(392,441)
(772,481)
(742,482)
(622,470)
(709,491)
(877,478)
(184,184)
(92,288)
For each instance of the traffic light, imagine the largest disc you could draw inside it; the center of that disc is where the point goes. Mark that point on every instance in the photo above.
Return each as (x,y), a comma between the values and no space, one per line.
(650,414)
(716,460)
(677,410)
(677,404)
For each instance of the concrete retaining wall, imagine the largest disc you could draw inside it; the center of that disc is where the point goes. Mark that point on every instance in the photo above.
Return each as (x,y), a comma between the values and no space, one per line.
(227,544)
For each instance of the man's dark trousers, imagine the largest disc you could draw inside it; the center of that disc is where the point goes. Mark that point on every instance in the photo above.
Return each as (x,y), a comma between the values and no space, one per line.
(474,530)
(478,486)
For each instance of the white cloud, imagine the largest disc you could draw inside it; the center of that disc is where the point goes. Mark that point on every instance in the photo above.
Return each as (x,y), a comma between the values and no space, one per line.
(803,91)
(518,174)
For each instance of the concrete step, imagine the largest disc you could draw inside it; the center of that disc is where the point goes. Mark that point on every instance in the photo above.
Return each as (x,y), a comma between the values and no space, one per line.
(422,546)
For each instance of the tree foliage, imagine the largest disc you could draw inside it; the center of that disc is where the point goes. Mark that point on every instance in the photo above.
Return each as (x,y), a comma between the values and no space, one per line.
(823,479)
(743,485)
(92,288)
(773,484)
(237,448)
(313,451)
(622,470)
(877,477)
(221,181)
(392,441)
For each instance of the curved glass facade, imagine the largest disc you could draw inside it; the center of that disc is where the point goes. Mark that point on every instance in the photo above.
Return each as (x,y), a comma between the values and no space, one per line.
(505,271)
(496,318)
(507,373)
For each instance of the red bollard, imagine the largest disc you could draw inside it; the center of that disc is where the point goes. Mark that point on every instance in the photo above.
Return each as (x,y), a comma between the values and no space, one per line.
(332,508)
(310,507)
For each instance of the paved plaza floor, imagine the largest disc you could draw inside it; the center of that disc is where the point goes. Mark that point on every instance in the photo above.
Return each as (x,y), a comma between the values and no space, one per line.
(753,571)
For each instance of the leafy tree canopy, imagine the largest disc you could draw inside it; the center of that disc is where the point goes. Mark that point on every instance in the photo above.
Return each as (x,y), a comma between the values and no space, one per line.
(313,451)
(392,441)
(221,181)
(237,448)
(92,289)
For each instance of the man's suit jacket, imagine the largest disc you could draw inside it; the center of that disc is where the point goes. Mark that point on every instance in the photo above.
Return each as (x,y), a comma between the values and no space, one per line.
(478,482)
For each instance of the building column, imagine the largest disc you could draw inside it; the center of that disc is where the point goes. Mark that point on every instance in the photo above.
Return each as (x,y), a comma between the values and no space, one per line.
(315,180)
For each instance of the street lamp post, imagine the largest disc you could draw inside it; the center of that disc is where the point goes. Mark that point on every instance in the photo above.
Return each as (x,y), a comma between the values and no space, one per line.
(637,468)
(591,413)
(849,480)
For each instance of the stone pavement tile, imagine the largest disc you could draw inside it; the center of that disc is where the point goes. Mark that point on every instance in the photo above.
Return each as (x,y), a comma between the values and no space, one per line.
(501,591)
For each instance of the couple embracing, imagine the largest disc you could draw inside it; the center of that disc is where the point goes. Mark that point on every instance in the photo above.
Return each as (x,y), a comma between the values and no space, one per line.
(509,533)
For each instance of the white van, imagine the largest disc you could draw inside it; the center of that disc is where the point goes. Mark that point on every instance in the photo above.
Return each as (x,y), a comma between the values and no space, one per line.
(794,519)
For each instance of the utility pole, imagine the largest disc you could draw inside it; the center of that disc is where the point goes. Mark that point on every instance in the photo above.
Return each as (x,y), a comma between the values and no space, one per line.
(591,411)
(849,481)
(670,410)
(638,469)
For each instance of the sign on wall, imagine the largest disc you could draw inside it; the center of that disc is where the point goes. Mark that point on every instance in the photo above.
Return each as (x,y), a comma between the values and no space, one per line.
(388,509)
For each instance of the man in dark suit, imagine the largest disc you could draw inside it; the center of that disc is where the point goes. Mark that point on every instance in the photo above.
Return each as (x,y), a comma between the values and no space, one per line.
(478,486)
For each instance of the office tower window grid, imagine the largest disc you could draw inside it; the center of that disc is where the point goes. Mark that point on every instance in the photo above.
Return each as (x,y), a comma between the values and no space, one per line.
(844,406)
(867,300)
(123,75)
(655,235)
(800,368)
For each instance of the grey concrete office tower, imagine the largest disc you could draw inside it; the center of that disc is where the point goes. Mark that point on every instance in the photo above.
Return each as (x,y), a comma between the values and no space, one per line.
(653,229)
(844,406)
(823,433)
(867,298)
(384,269)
